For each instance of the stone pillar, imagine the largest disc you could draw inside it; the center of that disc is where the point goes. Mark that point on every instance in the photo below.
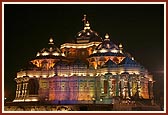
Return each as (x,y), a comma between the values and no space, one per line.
(18,96)
(25,87)
(117,86)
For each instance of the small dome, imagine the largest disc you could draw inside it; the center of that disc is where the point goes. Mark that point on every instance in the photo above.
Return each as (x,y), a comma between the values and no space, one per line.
(107,48)
(107,44)
(51,50)
(127,61)
(87,35)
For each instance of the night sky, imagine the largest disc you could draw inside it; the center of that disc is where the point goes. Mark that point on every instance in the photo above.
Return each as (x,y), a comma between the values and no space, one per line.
(27,29)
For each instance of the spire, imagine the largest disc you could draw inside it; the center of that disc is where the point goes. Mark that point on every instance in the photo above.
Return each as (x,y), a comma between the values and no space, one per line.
(86,23)
(84,19)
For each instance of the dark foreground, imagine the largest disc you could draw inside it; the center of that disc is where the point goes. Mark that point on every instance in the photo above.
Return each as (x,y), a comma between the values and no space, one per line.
(78,107)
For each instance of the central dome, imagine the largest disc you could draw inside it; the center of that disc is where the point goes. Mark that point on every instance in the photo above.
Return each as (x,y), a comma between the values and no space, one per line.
(87,35)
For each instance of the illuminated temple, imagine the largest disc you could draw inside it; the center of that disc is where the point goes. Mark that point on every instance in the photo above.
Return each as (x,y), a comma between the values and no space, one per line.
(89,69)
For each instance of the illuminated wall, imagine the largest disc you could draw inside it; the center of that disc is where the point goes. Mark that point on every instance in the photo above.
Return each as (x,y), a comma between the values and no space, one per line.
(72,88)
(43,88)
(79,83)
(80,51)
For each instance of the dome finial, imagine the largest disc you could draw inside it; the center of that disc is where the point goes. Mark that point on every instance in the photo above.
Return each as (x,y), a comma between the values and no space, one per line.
(51,41)
(106,37)
(120,47)
(87,25)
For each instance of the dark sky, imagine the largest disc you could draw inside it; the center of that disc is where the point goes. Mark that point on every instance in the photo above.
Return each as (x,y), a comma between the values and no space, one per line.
(140,28)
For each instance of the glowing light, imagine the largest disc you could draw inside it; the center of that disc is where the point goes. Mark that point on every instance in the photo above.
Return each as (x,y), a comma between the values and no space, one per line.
(51,40)
(86,28)
(27,100)
(34,100)
(114,73)
(83,41)
(45,53)
(150,79)
(52,75)
(51,49)
(44,76)
(93,98)
(83,45)
(107,36)
(94,51)
(55,54)
(91,74)
(79,34)
(132,58)
(114,51)
(108,46)
(87,24)
(120,46)
(131,72)
(88,33)
(63,54)
(38,54)
(18,100)
(103,50)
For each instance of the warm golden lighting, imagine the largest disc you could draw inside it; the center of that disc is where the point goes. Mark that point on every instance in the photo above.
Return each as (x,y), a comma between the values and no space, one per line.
(150,79)
(88,33)
(45,53)
(107,36)
(55,54)
(103,50)
(120,46)
(51,41)
(87,26)
(114,51)
(87,23)
(38,54)
(79,34)
(90,73)
(83,45)
(94,51)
